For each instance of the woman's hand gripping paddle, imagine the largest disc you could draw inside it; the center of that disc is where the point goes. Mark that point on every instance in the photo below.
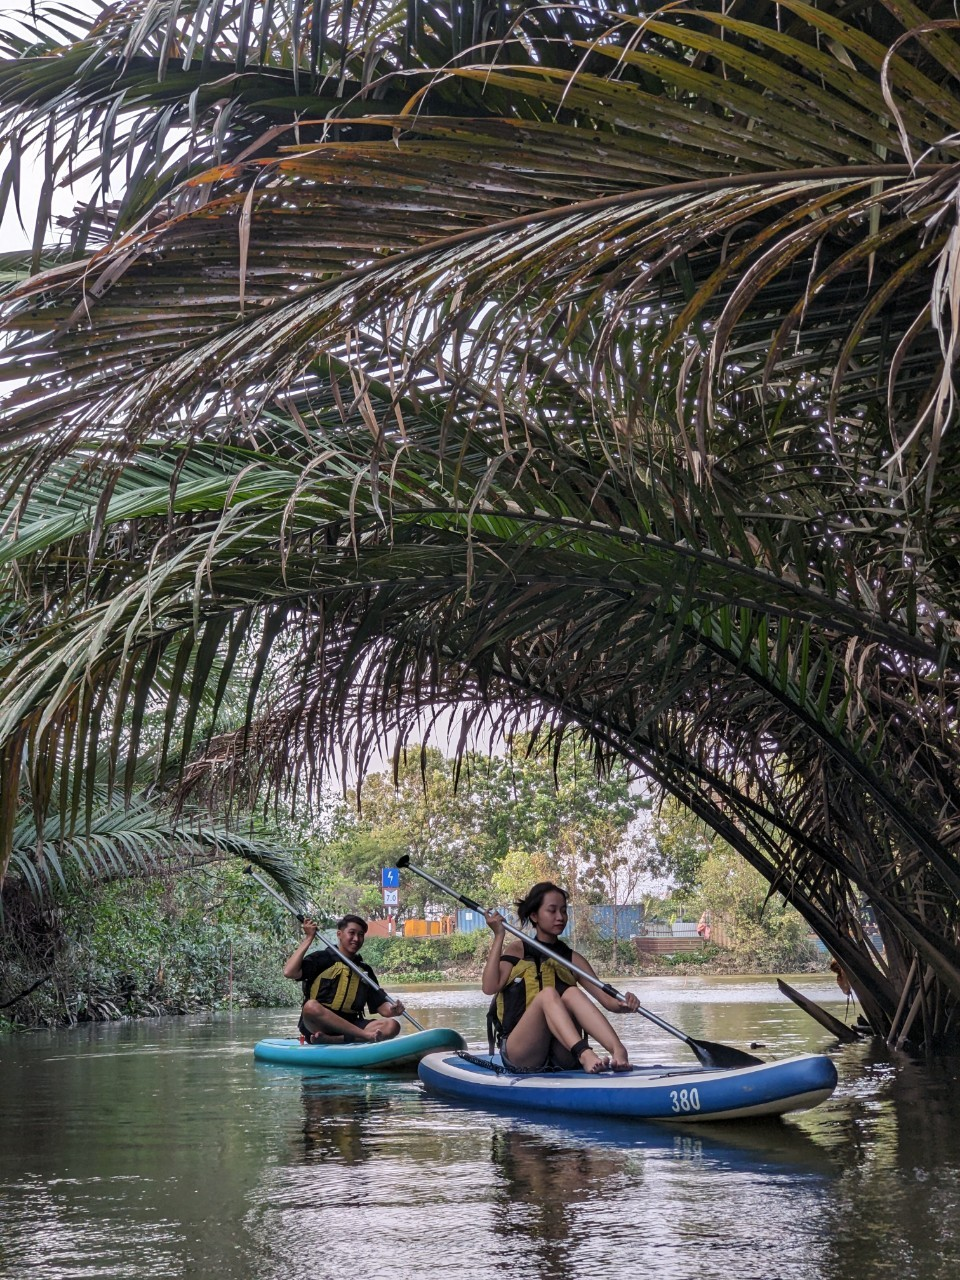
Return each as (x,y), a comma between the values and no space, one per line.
(249,871)
(719,1057)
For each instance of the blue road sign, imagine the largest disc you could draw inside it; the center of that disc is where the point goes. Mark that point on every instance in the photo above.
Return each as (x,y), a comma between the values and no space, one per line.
(390,877)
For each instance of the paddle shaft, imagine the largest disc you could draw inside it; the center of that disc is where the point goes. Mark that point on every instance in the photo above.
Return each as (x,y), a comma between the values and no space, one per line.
(539,946)
(361,973)
(705,1052)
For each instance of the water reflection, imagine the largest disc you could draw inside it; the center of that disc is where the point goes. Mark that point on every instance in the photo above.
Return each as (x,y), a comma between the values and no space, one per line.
(571,1198)
(538,1186)
(161,1149)
(761,1146)
(335,1120)
(896,1208)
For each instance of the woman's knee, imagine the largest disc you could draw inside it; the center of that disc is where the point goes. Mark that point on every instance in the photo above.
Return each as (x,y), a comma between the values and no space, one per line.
(548,996)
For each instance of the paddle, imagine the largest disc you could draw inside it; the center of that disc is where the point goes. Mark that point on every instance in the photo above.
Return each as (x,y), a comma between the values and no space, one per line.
(721,1057)
(361,973)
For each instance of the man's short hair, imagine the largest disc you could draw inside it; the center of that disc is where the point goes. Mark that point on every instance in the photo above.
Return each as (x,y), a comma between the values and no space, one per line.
(357,920)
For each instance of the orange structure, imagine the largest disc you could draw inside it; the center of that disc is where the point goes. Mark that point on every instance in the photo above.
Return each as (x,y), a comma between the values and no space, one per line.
(381,928)
(429,928)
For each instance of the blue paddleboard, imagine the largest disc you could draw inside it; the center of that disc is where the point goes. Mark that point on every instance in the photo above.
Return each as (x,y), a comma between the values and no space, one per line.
(643,1092)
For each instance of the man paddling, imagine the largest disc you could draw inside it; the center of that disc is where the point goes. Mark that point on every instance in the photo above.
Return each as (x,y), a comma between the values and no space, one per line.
(334,996)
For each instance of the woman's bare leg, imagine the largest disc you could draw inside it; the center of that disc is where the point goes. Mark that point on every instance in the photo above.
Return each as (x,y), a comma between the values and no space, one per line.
(545,1019)
(594,1022)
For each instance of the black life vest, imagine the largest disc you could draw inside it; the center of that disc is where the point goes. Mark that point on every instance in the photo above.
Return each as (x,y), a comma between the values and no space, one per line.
(531,973)
(338,988)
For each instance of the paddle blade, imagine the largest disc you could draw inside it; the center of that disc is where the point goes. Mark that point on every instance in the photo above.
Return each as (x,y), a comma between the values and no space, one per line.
(721,1057)
(837,1028)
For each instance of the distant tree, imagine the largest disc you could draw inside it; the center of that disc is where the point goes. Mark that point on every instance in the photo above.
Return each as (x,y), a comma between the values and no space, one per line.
(421,813)
(518,871)
(557,806)
(764,929)
(680,846)
(524,817)
(358,852)
(617,866)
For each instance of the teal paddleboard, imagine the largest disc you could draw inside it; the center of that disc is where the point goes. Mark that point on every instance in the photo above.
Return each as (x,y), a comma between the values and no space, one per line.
(380,1055)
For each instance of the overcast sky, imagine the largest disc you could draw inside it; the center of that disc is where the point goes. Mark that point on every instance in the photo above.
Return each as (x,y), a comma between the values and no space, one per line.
(12,235)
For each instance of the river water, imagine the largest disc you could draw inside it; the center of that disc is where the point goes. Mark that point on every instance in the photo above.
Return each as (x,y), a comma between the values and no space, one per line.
(160,1149)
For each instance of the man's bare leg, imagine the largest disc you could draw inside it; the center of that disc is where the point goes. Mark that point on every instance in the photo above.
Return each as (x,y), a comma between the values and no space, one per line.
(327,1027)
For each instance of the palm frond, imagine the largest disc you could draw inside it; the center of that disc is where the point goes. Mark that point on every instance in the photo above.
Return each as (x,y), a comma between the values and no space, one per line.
(585,369)
(135,838)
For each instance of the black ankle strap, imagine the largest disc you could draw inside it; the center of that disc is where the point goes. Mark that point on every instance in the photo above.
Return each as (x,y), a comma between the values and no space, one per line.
(578,1049)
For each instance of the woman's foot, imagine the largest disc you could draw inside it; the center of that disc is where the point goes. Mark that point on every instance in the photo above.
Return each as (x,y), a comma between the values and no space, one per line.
(321,1037)
(589,1061)
(592,1063)
(620,1061)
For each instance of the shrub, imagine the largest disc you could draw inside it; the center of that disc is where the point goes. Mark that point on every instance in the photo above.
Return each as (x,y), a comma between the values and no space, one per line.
(142,948)
(424,959)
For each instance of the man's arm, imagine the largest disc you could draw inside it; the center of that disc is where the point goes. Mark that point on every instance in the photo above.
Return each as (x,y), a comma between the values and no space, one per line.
(379,1001)
(294,967)
(390,1008)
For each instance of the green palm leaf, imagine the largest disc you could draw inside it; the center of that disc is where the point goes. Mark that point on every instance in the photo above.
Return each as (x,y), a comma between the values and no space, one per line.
(558,364)
(134,839)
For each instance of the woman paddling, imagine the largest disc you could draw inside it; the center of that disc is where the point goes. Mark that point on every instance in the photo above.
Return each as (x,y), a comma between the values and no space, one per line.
(540,1016)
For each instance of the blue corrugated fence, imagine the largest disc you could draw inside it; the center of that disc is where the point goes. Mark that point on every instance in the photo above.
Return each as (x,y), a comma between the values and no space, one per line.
(597,920)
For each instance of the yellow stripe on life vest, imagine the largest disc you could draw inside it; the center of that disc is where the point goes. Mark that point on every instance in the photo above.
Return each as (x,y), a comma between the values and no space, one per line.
(348,983)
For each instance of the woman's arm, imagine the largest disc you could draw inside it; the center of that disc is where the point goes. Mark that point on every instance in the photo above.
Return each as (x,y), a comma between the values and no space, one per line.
(608,1002)
(497,968)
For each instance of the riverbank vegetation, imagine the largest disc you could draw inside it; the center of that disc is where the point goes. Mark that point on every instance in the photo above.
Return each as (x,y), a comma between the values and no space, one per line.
(138,947)
(153,938)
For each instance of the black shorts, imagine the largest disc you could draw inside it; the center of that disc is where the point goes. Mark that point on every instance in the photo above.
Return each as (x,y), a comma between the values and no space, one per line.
(558,1059)
(354,1019)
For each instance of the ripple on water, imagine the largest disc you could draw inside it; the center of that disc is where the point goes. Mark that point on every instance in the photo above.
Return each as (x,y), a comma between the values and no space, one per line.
(163,1150)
